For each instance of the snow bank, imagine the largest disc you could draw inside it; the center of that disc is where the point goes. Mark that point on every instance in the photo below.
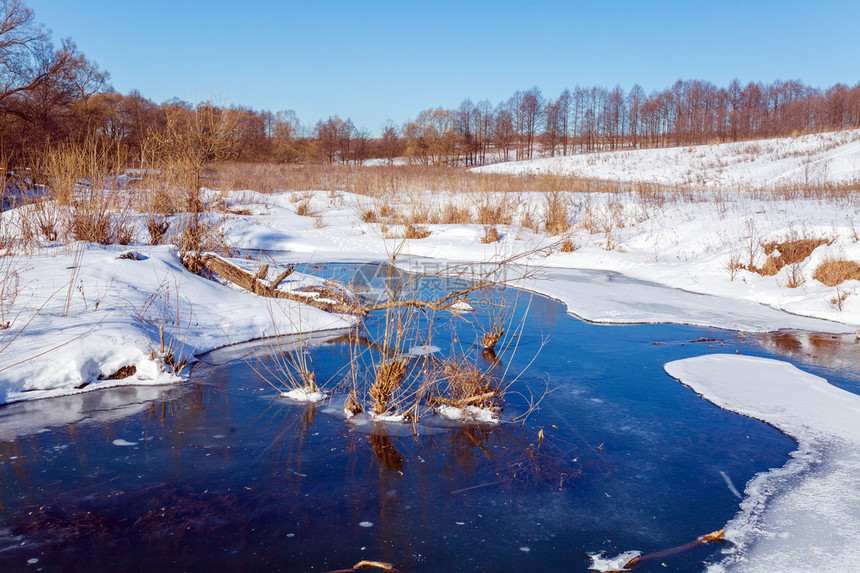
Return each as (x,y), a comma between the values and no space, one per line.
(806,515)
(83,317)
(809,159)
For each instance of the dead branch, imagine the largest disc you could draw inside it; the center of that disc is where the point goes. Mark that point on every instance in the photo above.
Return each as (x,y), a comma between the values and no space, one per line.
(254,283)
(365,564)
(709,538)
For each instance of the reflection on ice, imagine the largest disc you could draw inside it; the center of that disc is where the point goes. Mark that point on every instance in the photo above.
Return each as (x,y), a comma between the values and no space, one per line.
(34,416)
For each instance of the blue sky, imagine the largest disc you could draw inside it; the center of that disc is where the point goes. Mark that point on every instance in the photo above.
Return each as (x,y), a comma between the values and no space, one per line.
(371,61)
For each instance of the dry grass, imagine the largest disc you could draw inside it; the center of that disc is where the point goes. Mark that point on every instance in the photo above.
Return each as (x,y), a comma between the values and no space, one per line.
(494,210)
(384,181)
(198,235)
(303,209)
(568,246)
(788,252)
(463,384)
(157,226)
(454,215)
(556,211)
(491,235)
(836,272)
(492,337)
(388,376)
(411,231)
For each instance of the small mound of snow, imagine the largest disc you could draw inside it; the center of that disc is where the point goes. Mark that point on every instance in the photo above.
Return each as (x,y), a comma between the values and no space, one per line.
(462,306)
(304,395)
(599,561)
(468,414)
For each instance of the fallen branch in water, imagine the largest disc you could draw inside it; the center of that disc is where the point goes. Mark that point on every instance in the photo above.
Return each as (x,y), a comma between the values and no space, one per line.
(713,536)
(365,564)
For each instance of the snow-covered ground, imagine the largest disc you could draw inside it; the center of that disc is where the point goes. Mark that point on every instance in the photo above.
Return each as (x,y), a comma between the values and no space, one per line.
(769,163)
(78,314)
(804,516)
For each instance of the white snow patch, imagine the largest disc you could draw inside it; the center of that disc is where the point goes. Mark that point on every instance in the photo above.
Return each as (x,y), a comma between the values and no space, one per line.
(462,306)
(806,515)
(600,562)
(468,414)
(395,418)
(304,395)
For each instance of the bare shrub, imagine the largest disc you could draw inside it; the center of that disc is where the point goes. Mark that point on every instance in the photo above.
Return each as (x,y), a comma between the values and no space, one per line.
(838,300)
(836,272)
(733,264)
(794,277)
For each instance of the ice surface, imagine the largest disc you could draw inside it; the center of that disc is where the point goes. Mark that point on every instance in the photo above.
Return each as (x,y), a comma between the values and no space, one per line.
(423,350)
(806,515)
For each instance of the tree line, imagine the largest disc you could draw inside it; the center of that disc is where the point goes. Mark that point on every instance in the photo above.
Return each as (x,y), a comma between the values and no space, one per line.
(52,94)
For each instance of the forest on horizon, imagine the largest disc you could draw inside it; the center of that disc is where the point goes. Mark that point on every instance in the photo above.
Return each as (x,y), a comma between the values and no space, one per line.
(52,94)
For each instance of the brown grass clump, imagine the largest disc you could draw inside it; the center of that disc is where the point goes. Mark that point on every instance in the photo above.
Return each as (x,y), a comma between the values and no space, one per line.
(453,215)
(568,246)
(157,226)
(492,337)
(389,375)
(492,211)
(303,209)
(790,252)
(353,407)
(833,273)
(491,235)
(89,219)
(468,385)
(411,231)
(556,214)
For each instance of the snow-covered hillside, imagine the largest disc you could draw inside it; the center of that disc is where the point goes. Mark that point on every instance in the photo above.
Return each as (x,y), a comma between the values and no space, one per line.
(807,160)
